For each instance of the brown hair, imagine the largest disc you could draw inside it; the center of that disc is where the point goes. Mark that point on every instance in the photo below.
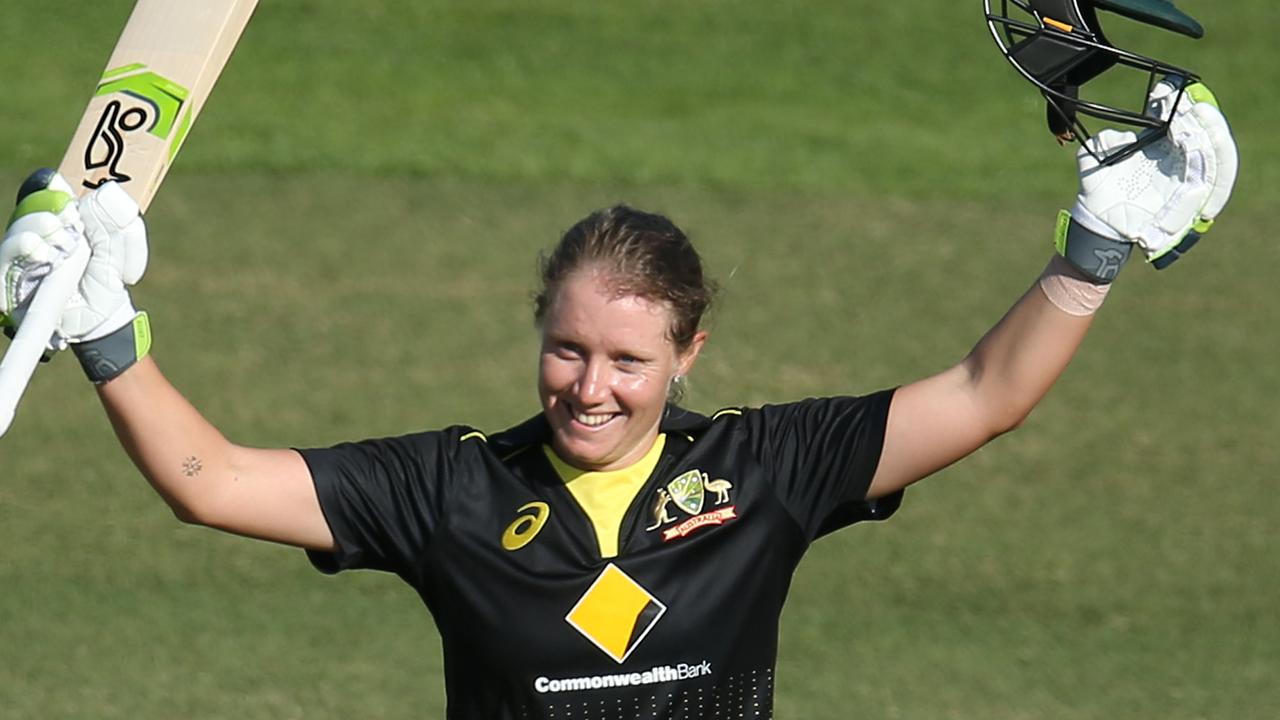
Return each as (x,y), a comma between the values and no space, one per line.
(643,254)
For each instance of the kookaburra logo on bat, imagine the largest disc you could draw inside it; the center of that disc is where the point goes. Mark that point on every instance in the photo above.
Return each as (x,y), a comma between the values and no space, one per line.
(107,146)
(146,102)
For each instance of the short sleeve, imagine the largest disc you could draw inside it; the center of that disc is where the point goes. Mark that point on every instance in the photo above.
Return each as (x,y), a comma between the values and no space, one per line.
(822,454)
(382,499)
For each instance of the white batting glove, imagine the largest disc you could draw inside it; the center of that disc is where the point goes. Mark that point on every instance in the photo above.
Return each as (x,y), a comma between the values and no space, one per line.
(1161,198)
(48,225)
(43,232)
(118,237)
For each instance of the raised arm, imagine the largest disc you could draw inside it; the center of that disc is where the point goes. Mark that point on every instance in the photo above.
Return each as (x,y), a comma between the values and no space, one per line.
(266,494)
(941,419)
(1159,199)
(207,480)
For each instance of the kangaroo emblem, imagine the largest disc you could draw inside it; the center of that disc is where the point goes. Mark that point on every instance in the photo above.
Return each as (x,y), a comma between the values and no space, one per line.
(660,513)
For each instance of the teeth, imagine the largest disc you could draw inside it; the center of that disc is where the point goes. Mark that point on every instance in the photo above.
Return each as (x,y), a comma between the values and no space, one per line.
(592,420)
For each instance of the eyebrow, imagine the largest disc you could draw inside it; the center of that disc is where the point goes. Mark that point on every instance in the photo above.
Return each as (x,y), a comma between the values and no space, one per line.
(550,338)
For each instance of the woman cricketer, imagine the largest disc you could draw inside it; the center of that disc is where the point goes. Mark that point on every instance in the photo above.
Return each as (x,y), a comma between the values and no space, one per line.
(614,556)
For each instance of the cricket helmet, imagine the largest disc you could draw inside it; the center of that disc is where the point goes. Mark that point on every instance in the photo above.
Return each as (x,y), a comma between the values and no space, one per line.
(1059,46)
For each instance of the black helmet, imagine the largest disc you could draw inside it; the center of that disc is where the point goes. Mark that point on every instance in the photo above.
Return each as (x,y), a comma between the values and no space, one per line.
(1058,45)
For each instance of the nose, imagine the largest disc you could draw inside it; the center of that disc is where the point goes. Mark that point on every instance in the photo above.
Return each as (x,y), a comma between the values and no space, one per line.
(592,387)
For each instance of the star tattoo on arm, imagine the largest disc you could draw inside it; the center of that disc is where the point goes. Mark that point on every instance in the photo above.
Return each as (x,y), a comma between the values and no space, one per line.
(191,466)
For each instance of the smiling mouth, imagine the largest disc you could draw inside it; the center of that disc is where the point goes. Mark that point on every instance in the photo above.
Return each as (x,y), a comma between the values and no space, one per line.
(591,420)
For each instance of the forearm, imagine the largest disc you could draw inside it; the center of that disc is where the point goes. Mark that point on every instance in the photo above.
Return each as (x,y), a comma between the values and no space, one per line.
(938,420)
(1013,366)
(182,455)
(262,493)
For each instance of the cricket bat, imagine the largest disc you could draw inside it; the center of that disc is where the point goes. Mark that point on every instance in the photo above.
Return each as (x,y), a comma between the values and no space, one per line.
(156,81)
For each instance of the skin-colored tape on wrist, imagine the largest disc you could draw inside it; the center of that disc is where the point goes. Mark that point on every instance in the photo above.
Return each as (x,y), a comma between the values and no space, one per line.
(105,358)
(1070,290)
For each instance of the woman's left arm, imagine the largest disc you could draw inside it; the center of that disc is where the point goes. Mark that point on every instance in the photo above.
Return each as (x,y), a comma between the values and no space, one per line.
(1159,199)
(938,420)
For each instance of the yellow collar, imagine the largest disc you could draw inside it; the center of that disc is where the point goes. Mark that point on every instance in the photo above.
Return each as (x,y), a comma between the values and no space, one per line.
(605,495)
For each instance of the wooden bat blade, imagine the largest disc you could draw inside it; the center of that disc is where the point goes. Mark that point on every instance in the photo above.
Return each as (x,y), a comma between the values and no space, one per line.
(158,77)
(156,81)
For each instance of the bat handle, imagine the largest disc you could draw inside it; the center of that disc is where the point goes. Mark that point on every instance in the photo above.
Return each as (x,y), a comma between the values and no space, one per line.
(37,327)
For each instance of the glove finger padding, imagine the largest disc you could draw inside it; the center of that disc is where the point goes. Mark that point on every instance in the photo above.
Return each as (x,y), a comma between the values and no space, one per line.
(1164,196)
(1135,198)
(1221,174)
(1200,131)
(49,225)
(34,244)
(117,335)
(116,232)
(25,260)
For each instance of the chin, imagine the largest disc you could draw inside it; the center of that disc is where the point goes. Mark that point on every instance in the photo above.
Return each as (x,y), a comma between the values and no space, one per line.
(581,456)
(589,452)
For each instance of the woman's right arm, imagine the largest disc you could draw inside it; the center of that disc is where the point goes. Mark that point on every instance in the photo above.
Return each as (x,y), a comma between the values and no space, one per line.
(205,479)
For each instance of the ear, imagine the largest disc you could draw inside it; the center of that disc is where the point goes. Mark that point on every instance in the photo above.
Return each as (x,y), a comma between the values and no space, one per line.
(690,355)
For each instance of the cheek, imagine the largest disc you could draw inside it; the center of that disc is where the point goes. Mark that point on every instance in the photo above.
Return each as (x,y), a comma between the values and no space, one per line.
(545,377)
(632,383)
(553,376)
(642,390)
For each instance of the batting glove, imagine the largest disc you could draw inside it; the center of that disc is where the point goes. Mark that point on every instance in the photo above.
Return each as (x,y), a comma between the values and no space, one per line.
(100,322)
(44,230)
(118,238)
(1162,198)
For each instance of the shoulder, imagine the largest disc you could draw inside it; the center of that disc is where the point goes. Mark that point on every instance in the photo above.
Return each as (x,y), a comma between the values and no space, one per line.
(518,440)
(410,453)
(813,411)
(424,441)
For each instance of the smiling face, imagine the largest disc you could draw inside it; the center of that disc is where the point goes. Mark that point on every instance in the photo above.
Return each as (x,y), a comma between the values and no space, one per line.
(607,362)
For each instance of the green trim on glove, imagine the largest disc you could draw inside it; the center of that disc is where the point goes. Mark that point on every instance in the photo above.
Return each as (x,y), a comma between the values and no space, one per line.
(51,201)
(108,356)
(1200,93)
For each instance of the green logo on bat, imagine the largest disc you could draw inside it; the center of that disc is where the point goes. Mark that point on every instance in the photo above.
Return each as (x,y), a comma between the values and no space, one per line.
(158,109)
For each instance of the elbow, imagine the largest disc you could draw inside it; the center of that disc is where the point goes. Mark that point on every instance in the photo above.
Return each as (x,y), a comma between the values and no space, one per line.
(197,510)
(210,511)
(1003,429)
(188,514)
(1000,410)
(192,504)
(1007,421)
(1011,419)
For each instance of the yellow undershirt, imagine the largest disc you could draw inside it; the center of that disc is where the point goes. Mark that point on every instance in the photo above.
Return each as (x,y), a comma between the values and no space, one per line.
(606,495)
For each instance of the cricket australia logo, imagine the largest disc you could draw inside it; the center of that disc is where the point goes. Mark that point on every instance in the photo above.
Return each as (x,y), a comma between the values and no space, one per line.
(140,100)
(689,492)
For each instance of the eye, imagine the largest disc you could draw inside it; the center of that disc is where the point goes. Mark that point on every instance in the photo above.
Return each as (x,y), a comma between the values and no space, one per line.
(567,351)
(630,363)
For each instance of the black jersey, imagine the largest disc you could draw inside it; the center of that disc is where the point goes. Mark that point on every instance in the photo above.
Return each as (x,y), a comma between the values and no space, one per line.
(681,623)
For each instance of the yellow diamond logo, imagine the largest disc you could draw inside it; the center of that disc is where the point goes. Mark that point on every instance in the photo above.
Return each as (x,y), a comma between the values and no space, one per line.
(615,613)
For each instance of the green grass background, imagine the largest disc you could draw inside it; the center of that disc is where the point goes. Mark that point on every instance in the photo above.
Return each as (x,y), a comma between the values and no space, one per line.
(346,248)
